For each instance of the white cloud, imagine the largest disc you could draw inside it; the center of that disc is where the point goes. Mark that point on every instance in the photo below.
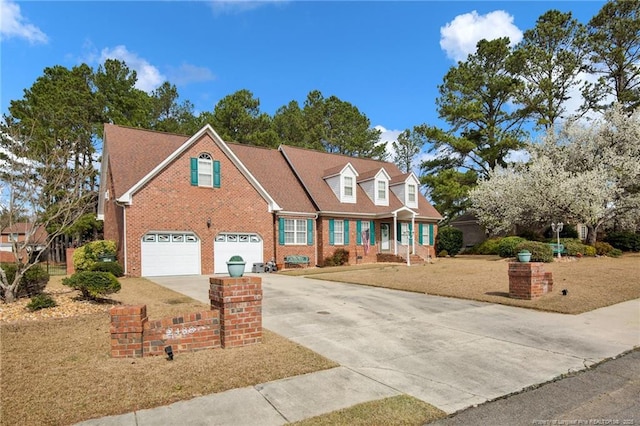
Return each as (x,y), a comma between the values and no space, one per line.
(220,7)
(388,137)
(459,37)
(188,73)
(149,77)
(13,24)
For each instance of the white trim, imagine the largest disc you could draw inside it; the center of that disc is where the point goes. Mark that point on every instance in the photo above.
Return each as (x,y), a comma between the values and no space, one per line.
(127,197)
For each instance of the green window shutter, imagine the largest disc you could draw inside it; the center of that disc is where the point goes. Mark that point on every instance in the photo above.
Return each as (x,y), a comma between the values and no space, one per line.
(346,232)
(194,171)
(310,232)
(372,233)
(431,234)
(331,232)
(420,234)
(216,174)
(281,231)
(359,232)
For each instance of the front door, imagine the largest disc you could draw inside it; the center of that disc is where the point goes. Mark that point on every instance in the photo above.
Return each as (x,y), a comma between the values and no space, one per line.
(384,237)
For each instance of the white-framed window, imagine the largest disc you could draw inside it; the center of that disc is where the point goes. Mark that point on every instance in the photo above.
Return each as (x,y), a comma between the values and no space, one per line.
(583,231)
(338,232)
(382,190)
(425,234)
(411,194)
(348,186)
(205,170)
(13,237)
(295,231)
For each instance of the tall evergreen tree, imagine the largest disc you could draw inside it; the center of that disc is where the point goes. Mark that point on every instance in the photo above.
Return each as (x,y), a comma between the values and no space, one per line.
(614,43)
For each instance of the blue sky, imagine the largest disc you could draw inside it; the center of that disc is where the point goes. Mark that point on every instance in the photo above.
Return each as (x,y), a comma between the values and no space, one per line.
(386,58)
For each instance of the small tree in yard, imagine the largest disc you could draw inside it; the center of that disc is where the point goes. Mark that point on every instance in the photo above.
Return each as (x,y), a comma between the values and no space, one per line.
(93,285)
(40,190)
(449,239)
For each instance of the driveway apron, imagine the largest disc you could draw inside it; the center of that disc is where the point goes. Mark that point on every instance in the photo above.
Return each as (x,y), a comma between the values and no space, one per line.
(451,353)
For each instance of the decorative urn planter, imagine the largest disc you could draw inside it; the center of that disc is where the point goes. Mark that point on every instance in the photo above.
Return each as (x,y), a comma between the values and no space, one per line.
(524,256)
(235,266)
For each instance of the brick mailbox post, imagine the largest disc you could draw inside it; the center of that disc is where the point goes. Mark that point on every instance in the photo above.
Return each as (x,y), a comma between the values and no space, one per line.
(528,280)
(239,301)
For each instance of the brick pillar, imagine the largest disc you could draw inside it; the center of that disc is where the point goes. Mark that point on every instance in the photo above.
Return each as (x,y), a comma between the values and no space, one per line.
(127,326)
(239,301)
(527,280)
(70,268)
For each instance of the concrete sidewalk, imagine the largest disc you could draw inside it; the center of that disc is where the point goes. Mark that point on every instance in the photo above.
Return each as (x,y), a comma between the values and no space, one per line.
(451,353)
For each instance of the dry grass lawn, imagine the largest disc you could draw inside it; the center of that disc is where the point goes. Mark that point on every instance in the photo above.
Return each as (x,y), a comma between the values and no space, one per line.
(591,282)
(59,371)
(395,411)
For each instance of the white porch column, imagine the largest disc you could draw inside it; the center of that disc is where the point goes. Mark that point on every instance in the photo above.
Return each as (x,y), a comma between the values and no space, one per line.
(395,231)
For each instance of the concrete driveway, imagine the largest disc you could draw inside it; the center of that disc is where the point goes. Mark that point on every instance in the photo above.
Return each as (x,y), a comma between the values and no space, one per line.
(448,352)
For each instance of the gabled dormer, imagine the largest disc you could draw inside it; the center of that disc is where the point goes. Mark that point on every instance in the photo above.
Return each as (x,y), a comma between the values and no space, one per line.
(342,181)
(405,187)
(376,185)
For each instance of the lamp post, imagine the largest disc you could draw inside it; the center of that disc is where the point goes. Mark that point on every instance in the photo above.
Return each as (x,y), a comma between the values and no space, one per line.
(557,228)
(408,235)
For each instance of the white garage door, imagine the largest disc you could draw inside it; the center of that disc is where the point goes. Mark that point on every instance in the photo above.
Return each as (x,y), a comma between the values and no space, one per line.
(249,246)
(170,253)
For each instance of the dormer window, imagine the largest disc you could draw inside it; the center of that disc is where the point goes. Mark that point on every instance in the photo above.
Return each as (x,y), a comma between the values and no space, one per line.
(411,194)
(342,181)
(382,190)
(348,186)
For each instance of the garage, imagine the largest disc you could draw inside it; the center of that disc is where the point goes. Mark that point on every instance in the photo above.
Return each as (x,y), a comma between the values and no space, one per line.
(170,253)
(228,244)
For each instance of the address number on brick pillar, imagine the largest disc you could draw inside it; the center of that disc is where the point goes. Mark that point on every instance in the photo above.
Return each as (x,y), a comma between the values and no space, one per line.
(239,301)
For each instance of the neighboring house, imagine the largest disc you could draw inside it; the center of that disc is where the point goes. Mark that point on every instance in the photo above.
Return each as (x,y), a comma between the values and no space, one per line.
(179,205)
(36,238)
(472,232)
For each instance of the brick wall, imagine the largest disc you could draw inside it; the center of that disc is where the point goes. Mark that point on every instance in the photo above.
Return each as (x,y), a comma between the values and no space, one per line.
(235,320)
(528,280)
(171,203)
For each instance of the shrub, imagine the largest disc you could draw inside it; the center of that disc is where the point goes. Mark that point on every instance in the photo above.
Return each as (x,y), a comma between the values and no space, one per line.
(507,246)
(489,246)
(236,258)
(87,255)
(32,282)
(573,246)
(114,267)
(41,301)
(625,241)
(590,251)
(340,257)
(449,239)
(93,285)
(540,252)
(443,253)
(615,253)
(602,248)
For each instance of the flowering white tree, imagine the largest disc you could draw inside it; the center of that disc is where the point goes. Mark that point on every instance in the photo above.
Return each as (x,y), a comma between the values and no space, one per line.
(589,175)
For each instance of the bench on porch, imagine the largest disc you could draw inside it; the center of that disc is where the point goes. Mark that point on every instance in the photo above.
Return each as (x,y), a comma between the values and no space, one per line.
(296,259)
(557,248)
